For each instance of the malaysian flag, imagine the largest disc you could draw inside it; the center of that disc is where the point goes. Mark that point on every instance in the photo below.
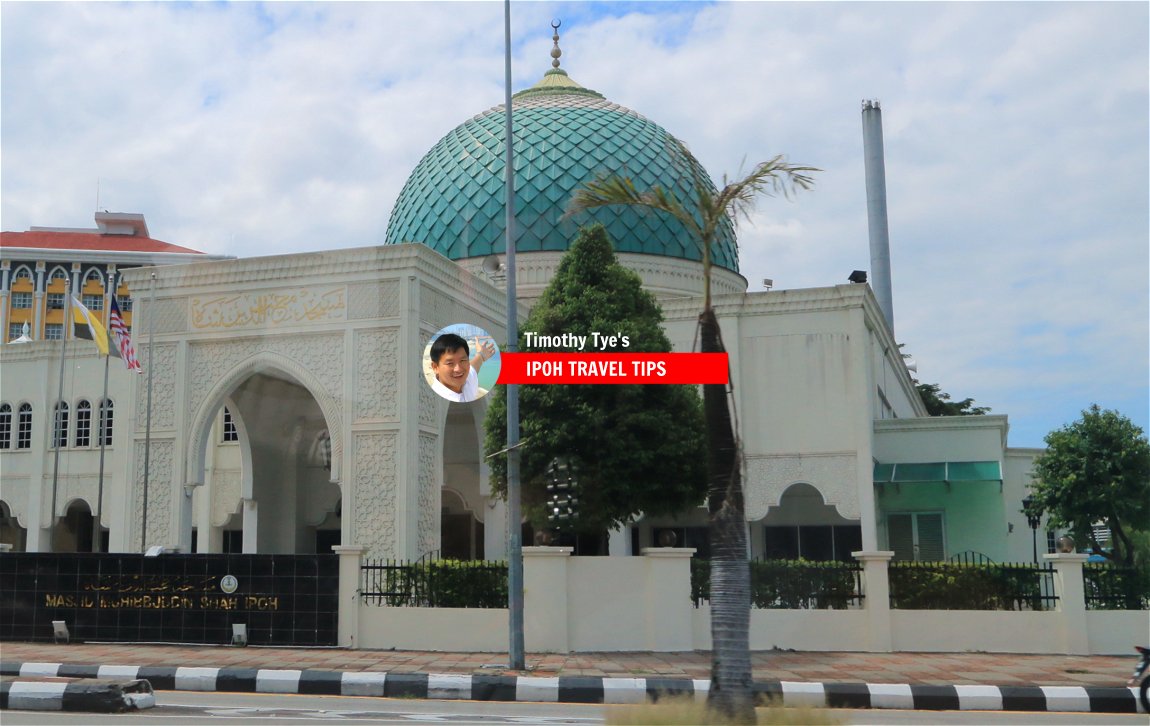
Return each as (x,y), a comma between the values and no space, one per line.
(120,335)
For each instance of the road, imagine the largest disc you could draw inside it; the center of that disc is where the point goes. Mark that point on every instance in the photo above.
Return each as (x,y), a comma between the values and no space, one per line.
(176,708)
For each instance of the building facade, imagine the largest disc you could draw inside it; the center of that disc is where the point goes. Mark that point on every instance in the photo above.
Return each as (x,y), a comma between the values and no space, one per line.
(289,413)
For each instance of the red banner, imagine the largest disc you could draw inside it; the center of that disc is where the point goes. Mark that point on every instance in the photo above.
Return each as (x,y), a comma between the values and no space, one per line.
(679,368)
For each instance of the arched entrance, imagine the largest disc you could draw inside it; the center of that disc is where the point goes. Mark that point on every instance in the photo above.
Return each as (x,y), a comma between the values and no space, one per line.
(11,533)
(462,498)
(73,532)
(267,478)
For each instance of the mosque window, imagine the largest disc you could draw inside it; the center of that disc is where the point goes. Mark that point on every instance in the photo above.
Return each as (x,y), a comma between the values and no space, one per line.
(21,300)
(230,431)
(5,426)
(24,427)
(60,430)
(83,423)
(53,331)
(106,419)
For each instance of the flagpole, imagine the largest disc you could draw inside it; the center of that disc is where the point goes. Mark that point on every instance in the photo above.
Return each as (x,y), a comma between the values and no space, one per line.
(102,418)
(148,418)
(55,419)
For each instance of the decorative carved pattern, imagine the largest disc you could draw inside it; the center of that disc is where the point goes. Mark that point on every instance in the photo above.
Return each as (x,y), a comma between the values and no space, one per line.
(225,490)
(160,477)
(163,357)
(429,494)
(429,404)
(833,475)
(269,308)
(377,372)
(373,300)
(171,317)
(374,467)
(437,308)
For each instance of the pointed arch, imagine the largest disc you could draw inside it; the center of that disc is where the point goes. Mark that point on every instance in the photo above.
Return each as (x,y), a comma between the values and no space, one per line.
(264,362)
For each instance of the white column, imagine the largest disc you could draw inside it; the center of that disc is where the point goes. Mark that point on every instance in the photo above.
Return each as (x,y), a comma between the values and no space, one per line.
(545,599)
(876,586)
(1071,592)
(619,541)
(251,526)
(668,598)
(350,557)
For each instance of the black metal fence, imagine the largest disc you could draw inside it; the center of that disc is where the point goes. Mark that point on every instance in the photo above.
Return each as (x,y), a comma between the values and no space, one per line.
(961,586)
(1110,587)
(791,584)
(281,599)
(434,584)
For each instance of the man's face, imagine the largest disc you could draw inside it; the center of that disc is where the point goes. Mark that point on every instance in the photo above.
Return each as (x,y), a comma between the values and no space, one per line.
(452,369)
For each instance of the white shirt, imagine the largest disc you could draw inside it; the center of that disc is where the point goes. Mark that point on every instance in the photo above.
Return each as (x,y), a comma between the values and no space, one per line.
(470,390)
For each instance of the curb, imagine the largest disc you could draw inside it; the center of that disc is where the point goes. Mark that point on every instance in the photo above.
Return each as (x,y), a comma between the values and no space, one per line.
(591,689)
(93,696)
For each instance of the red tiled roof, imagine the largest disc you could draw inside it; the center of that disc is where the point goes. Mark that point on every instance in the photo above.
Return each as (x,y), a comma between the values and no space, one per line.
(90,241)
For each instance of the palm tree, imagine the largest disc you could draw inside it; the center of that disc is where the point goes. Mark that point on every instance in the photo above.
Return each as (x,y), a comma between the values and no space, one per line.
(704,216)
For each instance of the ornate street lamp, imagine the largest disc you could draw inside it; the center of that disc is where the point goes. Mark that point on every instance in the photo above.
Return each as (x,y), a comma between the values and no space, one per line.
(1033,518)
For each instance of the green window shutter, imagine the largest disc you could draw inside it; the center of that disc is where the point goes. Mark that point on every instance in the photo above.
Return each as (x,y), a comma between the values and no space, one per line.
(900,536)
(929,536)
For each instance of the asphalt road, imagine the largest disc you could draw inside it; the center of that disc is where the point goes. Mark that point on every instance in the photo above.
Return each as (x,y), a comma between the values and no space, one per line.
(175,708)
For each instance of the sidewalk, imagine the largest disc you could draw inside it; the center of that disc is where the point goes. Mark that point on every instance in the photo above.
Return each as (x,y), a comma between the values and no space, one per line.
(912,668)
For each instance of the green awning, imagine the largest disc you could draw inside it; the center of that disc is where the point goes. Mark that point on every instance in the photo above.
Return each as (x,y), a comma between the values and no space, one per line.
(937,471)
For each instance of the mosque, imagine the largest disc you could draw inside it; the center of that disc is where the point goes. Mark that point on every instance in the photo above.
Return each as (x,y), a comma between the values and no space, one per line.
(283,407)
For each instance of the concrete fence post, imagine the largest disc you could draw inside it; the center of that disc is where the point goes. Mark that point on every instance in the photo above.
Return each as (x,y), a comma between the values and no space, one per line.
(350,558)
(876,587)
(668,598)
(1071,592)
(545,604)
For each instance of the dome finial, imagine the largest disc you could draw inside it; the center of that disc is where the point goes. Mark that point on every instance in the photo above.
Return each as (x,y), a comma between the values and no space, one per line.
(555,52)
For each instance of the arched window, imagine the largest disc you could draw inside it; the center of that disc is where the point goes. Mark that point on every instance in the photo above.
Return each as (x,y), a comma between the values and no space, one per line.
(5,426)
(83,423)
(60,429)
(59,273)
(24,427)
(106,415)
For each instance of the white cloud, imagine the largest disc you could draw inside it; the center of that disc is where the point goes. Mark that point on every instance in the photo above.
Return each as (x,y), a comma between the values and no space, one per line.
(1016,140)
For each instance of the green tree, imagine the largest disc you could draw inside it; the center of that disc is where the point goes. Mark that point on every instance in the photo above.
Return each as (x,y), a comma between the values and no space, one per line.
(1096,469)
(732,690)
(938,402)
(633,448)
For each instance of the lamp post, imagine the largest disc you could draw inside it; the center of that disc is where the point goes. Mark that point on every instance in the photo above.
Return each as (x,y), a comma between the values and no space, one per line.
(1033,518)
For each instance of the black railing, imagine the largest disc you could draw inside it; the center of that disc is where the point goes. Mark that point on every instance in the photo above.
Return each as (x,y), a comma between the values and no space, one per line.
(791,584)
(1111,587)
(956,586)
(434,583)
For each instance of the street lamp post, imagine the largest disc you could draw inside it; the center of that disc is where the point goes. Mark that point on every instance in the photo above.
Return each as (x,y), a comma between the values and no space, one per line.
(1033,518)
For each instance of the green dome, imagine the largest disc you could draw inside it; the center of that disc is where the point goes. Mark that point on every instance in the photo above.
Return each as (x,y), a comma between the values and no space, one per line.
(565,135)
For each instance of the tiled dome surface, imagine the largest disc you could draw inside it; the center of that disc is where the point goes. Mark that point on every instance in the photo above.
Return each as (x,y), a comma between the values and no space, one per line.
(565,135)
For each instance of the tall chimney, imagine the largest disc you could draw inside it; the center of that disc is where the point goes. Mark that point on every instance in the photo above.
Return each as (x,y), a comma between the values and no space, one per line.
(876,209)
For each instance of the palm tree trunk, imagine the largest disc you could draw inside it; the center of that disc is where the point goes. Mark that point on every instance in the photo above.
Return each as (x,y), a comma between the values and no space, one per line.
(732,687)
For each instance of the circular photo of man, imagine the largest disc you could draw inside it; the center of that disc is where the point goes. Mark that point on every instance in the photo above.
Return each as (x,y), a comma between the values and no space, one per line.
(461,363)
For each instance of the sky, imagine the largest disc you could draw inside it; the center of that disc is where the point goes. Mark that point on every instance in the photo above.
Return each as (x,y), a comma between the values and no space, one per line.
(1016,147)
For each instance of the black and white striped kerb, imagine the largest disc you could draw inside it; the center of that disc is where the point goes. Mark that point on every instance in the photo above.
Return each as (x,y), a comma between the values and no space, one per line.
(92,696)
(588,689)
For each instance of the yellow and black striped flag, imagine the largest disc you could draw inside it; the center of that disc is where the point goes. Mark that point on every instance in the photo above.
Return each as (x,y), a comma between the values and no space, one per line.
(88,326)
